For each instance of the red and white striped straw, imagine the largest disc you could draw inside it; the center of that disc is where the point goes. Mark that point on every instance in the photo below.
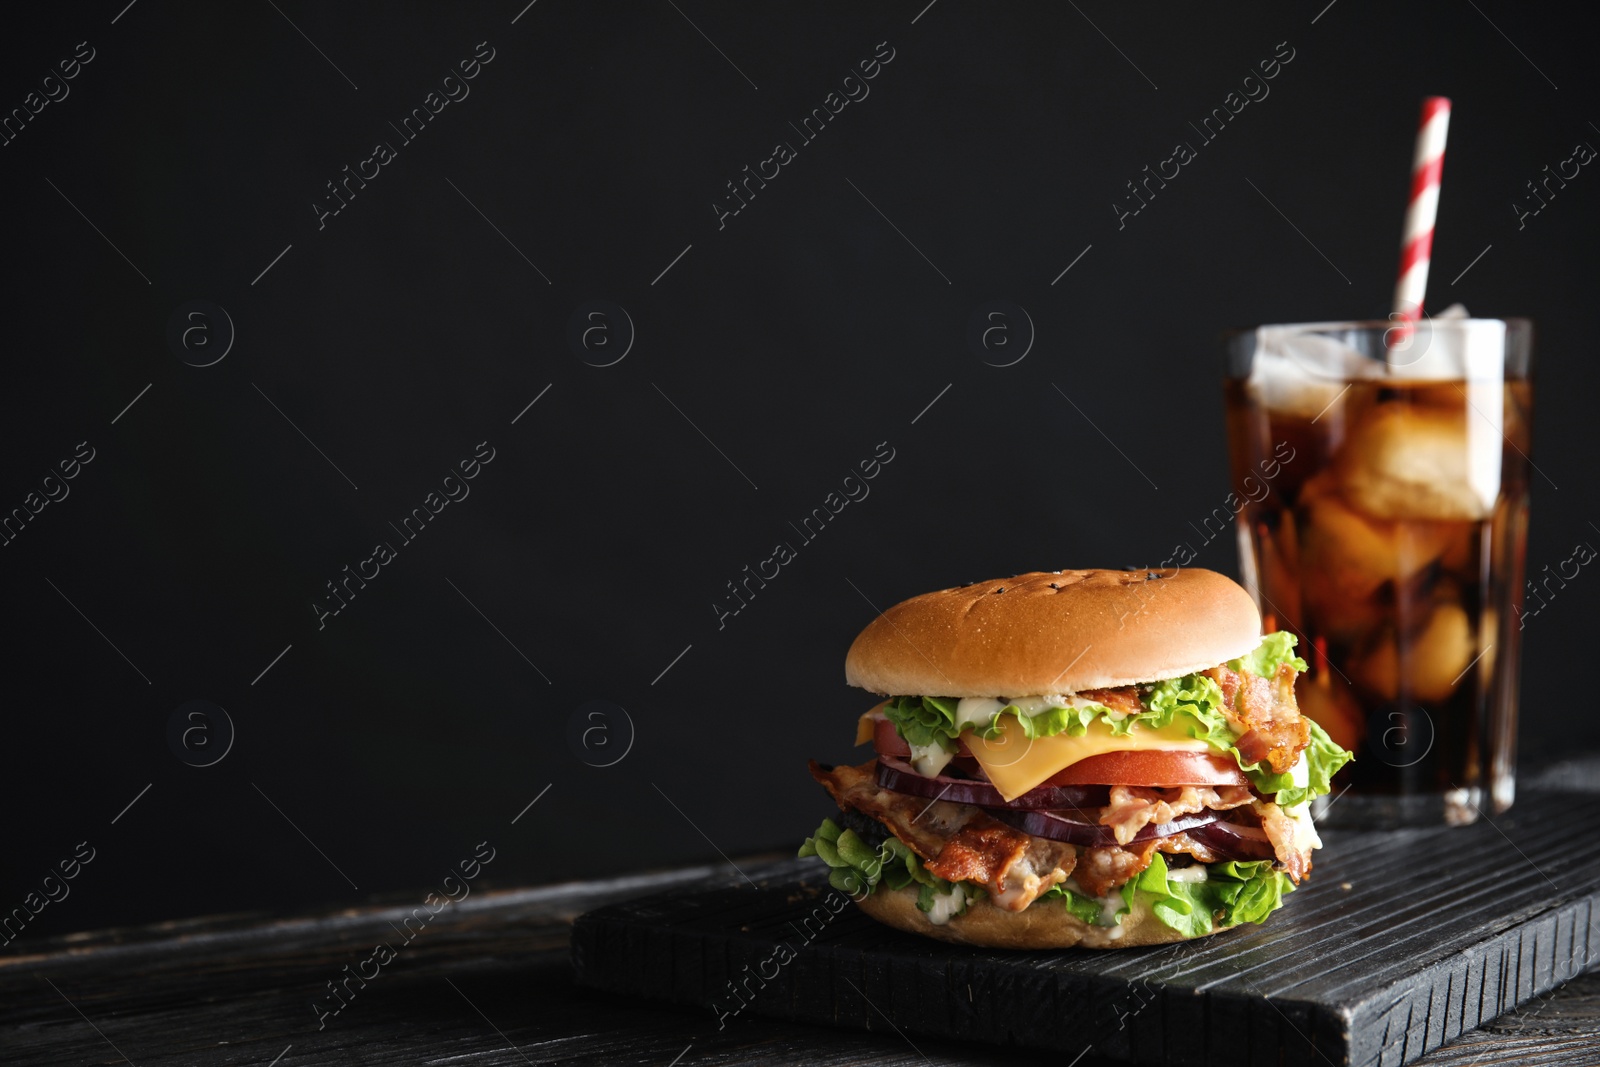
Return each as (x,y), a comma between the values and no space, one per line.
(1416,248)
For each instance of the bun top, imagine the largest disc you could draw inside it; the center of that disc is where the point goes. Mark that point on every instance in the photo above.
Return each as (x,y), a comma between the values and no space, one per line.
(1049,632)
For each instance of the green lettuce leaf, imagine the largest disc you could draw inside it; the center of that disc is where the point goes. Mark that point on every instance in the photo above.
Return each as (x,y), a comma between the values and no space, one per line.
(1274,651)
(857,868)
(1192,703)
(1195,703)
(1323,759)
(1072,721)
(1248,891)
(932,720)
(1234,892)
(1081,905)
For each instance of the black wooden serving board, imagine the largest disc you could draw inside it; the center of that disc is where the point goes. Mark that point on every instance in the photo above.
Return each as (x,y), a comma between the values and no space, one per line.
(1399,942)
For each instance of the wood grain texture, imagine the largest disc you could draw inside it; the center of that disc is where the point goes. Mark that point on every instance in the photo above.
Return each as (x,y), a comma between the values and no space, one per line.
(489,984)
(1400,943)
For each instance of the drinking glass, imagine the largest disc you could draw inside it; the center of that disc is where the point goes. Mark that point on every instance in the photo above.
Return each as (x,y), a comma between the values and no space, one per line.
(1381,473)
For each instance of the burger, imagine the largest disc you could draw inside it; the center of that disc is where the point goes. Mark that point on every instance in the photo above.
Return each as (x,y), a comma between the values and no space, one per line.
(1084,757)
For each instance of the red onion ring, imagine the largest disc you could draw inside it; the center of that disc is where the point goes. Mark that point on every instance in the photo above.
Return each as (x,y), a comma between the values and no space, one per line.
(1235,841)
(900,777)
(1042,812)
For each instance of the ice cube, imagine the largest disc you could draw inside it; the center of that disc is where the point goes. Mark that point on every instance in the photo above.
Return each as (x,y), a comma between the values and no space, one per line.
(1423,463)
(1297,371)
(1433,661)
(1448,347)
(1295,366)
(1346,554)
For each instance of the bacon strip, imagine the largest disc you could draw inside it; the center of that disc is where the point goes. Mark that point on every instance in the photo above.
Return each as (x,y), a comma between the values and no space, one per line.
(959,842)
(1263,711)
(1124,699)
(1132,807)
(962,842)
(1184,843)
(1280,831)
(924,826)
(1100,870)
(979,852)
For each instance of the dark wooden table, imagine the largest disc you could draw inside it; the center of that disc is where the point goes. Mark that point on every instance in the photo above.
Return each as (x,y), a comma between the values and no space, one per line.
(486,982)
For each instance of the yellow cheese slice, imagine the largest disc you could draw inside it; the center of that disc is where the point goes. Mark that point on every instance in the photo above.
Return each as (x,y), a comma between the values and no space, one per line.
(1015,765)
(867,725)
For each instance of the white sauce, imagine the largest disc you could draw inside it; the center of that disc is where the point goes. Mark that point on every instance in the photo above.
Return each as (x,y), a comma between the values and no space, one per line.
(1305,831)
(947,906)
(1195,873)
(930,759)
(1300,773)
(977,710)
(1034,705)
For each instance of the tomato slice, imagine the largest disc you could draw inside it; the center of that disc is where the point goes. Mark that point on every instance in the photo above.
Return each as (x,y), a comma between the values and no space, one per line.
(1152,769)
(886,740)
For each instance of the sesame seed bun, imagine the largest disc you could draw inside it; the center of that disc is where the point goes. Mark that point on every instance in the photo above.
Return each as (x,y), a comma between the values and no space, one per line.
(1055,632)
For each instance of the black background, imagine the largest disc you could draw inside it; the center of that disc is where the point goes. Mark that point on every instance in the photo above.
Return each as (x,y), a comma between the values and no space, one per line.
(796,338)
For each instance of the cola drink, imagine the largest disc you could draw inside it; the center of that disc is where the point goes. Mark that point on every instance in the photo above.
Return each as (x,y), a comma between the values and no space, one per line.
(1391,539)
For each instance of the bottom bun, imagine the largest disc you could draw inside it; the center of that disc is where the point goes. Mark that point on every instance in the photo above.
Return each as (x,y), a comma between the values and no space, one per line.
(1043,924)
